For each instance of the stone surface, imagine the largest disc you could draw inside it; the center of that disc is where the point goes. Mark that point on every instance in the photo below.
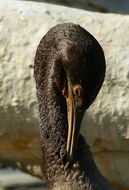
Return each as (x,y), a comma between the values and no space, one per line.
(106,123)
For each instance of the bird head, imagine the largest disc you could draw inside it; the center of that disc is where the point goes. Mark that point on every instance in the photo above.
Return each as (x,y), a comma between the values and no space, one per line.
(84,68)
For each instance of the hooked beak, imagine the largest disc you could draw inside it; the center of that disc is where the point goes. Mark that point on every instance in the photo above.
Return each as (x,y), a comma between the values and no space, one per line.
(74,121)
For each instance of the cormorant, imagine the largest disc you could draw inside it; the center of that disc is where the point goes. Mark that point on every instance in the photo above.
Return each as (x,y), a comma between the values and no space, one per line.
(69,69)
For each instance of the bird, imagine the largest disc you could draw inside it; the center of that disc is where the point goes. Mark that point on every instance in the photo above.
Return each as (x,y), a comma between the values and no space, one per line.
(69,70)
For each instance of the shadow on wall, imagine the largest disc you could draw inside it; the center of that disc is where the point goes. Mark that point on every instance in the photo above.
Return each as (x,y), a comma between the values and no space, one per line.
(105,6)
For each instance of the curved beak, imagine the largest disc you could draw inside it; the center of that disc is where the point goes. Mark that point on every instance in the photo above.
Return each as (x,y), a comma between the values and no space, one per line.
(74,122)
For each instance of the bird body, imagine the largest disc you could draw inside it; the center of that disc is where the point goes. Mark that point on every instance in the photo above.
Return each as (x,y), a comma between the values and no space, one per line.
(69,70)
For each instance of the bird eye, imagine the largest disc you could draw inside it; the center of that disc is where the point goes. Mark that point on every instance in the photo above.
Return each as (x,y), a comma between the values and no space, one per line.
(77,90)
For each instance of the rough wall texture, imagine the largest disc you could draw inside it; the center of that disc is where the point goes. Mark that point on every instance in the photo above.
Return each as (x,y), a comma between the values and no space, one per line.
(106,123)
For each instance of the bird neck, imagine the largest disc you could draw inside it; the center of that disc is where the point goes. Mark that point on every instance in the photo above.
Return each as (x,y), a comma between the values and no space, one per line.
(53,114)
(53,128)
(60,174)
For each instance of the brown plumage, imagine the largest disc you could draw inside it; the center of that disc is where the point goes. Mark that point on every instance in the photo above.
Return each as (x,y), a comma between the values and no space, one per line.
(69,70)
